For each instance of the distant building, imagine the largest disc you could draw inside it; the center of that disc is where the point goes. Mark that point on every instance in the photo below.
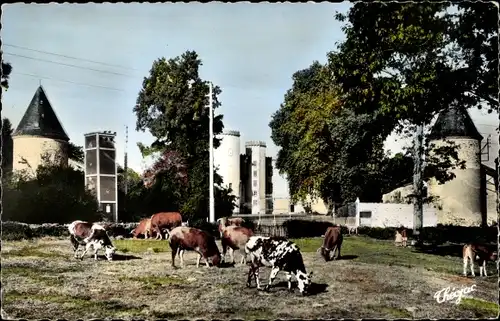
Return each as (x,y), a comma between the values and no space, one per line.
(470,198)
(39,134)
(249,175)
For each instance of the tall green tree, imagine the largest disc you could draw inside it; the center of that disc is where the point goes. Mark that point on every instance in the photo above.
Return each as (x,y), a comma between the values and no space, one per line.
(172,107)
(75,153)
(7,145)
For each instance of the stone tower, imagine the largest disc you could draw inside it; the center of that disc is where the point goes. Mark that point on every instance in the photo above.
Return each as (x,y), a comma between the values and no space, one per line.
(460,200)
(39,133)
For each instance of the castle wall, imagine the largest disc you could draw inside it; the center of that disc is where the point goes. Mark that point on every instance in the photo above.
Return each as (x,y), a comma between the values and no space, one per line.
(28,152)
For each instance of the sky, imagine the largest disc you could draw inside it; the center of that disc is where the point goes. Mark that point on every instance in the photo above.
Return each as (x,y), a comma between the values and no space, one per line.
(250,50)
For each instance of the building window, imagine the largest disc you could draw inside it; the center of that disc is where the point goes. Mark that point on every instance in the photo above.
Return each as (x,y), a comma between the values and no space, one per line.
(254,173)
(365,214)
(254,203)
(231,185)
(254,183)
(254,193)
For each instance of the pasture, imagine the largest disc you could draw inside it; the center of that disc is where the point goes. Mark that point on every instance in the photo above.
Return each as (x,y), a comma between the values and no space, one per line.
(375,279)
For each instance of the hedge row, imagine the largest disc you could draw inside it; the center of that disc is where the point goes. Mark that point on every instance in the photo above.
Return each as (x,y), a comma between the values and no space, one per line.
(17,231)
(294,229)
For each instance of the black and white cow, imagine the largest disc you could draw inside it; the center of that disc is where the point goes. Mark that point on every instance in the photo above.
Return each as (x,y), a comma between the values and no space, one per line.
(90,235)
(281,255)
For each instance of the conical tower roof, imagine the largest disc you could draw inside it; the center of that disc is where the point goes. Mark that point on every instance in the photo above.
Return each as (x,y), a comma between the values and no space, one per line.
(40,119)
(454,121)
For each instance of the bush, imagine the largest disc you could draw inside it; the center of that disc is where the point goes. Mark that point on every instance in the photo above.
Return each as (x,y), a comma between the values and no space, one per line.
(14,231)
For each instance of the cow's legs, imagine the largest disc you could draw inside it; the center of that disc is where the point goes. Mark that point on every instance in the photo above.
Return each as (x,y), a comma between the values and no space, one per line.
(243,258)
(272,276)
(256,276)
(206,262)
(251,273)
(198,259)
(232,255)
(75,244)
(224,249)
(175,250)
(482,268)
(289,280)
(87,248)
(338,253)
(181,255)
(472,266)
(95,253)
(466,259)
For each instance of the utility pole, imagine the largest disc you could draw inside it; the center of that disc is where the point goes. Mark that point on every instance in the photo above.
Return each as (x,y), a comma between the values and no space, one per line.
(125,162)
(211,150)
(418,184)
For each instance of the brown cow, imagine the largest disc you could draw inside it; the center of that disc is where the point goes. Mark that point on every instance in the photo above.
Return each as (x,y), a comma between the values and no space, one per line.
(235,238)
(226,221)
(331,243)
(90,235)
(165,220)
(185,238)
(478,252)
(144,227)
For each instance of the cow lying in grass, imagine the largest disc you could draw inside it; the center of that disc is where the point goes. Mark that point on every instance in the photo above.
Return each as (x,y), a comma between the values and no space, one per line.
(185,238)
(481,253)
(90,235)
(281,255)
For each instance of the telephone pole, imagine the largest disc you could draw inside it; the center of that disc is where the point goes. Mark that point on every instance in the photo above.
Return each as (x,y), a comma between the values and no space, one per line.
(125,163)
(418,184)
(211,150)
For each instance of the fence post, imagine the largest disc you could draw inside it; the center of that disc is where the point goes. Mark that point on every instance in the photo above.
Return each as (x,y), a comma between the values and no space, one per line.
(357,212)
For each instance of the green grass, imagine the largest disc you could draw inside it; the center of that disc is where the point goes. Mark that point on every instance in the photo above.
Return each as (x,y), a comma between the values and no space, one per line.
(154,282)
(374,251)
(33,251)
(481,308)
(47,277)
(141,246)
(74,303)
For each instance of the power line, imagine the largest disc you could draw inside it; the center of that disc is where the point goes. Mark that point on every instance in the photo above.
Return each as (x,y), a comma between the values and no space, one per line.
(70,65)
(66,56)
(67,81)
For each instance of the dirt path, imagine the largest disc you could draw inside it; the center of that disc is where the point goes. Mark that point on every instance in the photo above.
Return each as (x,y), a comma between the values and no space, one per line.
(43,280)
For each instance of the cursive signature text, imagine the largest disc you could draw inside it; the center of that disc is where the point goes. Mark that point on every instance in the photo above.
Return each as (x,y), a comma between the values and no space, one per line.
(449,294)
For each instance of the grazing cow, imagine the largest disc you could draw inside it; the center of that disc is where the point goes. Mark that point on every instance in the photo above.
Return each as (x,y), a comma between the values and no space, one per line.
(281,255)
(144,227)
(401,237)
(185,238)
(235,238)
(90,235)
(480,253)
(165,220)
(332,243)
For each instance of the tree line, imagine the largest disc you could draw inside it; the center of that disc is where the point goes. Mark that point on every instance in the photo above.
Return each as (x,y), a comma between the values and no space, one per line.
(399,65)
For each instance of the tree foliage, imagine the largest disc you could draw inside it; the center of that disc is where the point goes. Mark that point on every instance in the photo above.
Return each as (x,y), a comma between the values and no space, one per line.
(7,145)
(399,65)
(76,153)
(172,107)
(6,70)
(54,194)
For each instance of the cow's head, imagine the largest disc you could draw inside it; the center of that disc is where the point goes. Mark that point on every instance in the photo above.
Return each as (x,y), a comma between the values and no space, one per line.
(109,251)
(325,253)
(304,282)
(216,259)
(494,256)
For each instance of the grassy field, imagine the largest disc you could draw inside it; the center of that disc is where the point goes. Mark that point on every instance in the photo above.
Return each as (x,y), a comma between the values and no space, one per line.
(41,279)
